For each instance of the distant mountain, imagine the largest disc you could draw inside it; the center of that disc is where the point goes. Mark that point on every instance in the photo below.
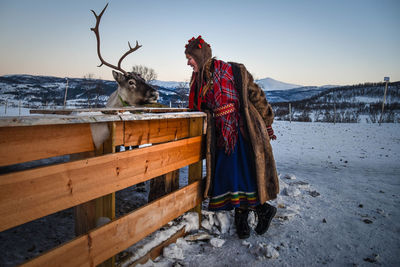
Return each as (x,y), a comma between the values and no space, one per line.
(295,94)
(266,83)
(169,84)
(38,91)
(351,101)
(270,84)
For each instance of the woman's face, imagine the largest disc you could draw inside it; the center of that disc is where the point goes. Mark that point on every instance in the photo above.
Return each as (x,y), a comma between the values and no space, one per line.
(191,62)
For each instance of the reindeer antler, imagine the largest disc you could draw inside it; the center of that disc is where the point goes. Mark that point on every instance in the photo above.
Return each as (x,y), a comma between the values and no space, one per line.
(96,32)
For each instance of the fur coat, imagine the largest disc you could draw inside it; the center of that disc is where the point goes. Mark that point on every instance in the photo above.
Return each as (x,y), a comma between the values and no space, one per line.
(257,114)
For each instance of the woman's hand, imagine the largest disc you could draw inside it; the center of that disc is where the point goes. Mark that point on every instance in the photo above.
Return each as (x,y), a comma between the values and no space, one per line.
(271,134)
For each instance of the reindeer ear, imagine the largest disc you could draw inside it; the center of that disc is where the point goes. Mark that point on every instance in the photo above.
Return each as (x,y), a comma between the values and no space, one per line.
(119,77)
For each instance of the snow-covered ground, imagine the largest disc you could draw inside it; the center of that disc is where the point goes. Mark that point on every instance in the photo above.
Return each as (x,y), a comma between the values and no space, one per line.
(13,110)
(339,206)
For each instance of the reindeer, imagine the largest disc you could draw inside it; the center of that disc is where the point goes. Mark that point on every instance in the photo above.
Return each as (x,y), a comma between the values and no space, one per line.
(132,88)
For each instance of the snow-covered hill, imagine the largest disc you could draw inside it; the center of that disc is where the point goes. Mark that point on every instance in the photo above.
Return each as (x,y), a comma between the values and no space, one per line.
(269,84)
(342,104)
(309,103)
(170,84)
(39,91)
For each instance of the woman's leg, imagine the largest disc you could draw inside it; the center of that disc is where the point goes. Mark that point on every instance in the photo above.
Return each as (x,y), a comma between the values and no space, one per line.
(242,226)
(265,213)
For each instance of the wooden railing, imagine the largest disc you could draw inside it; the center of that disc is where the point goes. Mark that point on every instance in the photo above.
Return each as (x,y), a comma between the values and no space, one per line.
(92,176)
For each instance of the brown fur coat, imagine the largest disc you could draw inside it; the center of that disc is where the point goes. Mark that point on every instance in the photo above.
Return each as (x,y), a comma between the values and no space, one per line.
(257,114)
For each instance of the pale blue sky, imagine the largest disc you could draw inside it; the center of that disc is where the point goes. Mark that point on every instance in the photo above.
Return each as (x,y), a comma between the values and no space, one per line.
(310,42)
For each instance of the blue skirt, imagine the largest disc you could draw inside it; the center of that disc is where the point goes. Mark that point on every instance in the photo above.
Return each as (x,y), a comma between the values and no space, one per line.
(234,183)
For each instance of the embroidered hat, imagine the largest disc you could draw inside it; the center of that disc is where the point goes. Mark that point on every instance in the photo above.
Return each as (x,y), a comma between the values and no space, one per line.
(199,50)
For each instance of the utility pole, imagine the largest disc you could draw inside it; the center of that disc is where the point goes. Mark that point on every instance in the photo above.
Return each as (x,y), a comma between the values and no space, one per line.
(334,107)
(66,91)
(386,79)
(290,112)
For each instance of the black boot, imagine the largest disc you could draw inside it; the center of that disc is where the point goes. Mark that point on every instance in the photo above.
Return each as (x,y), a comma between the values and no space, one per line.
(265,213)
(242,227)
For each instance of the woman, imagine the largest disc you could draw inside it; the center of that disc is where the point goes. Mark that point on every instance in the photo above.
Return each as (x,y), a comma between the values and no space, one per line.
(241,172)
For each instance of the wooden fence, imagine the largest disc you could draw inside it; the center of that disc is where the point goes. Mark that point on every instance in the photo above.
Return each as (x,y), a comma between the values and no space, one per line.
(90,179)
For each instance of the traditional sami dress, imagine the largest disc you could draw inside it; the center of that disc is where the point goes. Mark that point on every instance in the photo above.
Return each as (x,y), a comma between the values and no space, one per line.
(234,183)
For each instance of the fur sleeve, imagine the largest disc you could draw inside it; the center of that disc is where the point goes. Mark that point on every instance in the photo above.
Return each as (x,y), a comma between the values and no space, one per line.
(258,99)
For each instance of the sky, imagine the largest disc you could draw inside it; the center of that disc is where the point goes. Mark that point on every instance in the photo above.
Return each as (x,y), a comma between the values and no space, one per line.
(309,42)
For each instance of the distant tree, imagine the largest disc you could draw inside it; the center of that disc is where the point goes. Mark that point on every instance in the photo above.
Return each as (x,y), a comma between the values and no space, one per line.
(93,89)
(147,73)
(304,117)
(183,93)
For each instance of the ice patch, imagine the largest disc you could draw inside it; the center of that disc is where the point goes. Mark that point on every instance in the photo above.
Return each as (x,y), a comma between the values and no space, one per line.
(224,221)
(266,251)
(217,242)
(291,191)
(271,252)
(173,252)
(289,176)
(191,221)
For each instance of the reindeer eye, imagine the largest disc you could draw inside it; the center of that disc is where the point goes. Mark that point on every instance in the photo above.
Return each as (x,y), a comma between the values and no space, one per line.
(131,82)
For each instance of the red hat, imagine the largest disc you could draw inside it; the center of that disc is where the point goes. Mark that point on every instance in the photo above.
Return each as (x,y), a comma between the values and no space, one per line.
(199,50)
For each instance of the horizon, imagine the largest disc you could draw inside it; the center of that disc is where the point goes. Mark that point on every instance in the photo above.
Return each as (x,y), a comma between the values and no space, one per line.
(280,82)
(313,43)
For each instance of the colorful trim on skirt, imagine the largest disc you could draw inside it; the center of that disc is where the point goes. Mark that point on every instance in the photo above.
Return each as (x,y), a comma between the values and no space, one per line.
(234,183)
(230,200)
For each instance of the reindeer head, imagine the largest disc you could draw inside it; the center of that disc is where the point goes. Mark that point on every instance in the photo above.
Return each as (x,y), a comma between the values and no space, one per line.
(132,88)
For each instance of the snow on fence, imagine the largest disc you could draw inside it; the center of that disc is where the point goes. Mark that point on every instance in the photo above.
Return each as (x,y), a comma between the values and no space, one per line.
(90,179)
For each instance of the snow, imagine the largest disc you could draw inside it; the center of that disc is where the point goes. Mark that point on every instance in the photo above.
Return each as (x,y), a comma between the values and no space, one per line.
(338,206)
(13,111)
(270,84)
(169,84)
(266,83)
(345,209)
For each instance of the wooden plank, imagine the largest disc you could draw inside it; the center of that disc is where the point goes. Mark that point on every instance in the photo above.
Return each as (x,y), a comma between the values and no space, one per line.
(155,131)
(27,143)
(108,110)
(31,194)
(104,242)
(90,117)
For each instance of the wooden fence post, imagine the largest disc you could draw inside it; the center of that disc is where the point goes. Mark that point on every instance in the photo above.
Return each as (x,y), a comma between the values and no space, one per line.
(87,214)
(196,169)
(384,99)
